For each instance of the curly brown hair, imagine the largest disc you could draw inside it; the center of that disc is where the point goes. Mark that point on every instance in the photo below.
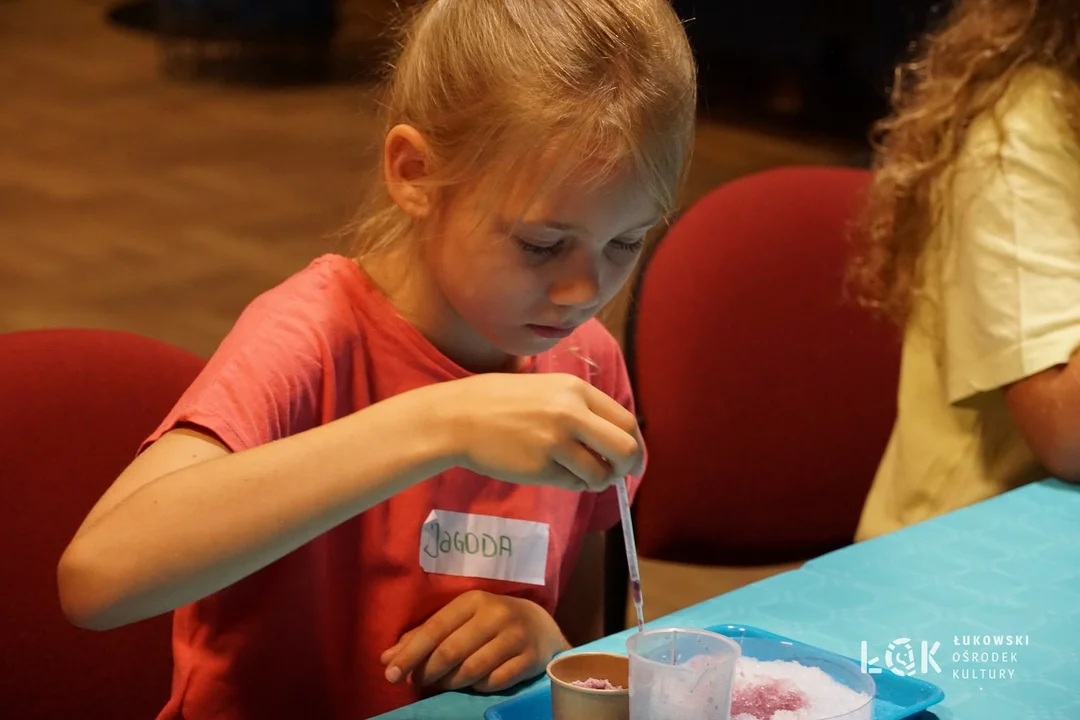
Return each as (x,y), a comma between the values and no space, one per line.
(961,70)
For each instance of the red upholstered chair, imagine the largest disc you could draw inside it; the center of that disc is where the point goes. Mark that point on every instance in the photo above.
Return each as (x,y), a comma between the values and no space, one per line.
(766,398)
(74,406)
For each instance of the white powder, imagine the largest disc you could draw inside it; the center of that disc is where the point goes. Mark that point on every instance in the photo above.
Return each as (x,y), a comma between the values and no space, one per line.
(786,690)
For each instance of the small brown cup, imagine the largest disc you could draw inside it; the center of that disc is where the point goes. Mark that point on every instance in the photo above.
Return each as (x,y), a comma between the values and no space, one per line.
(570,702)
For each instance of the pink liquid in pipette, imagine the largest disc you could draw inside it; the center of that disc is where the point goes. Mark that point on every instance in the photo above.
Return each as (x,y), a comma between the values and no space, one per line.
(639,606)
(631,551)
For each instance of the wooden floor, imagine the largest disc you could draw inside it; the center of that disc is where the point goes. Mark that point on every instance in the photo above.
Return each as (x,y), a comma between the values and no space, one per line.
(131,201)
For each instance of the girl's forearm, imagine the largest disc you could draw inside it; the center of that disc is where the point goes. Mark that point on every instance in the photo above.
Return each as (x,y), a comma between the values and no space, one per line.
(194,531)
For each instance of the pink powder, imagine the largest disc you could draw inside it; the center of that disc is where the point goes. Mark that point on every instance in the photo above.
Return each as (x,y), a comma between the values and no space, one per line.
(788,690)
(594,684)
(762,700)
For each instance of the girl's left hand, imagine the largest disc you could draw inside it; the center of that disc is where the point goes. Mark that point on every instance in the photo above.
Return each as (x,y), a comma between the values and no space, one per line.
(479,640)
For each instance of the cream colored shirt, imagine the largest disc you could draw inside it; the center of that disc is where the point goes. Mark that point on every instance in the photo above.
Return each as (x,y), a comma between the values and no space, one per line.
(1001,303)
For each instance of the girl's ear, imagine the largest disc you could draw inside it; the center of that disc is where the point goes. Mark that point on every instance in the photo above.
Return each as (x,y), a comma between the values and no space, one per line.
(406,168)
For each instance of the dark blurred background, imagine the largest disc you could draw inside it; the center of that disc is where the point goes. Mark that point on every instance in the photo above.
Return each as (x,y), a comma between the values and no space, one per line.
(814,64)
(820,65)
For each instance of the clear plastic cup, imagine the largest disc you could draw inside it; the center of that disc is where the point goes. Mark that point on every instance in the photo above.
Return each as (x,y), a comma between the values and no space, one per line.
(681,674)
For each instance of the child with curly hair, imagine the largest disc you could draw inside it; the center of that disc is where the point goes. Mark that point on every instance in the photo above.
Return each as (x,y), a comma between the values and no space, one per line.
(971,243)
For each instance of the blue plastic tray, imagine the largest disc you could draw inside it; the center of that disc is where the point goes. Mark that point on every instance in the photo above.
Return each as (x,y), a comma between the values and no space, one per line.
(897,697)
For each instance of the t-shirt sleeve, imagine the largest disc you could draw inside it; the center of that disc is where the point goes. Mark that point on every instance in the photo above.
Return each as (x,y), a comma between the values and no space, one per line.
(263,383)
(1012,292)
(605,514)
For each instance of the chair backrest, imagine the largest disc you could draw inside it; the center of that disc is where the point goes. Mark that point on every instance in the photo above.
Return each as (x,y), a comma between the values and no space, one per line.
(766,398)
(74,407)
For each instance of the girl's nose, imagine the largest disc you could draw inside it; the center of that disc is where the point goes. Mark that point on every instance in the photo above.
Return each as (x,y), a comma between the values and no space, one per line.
(579,286)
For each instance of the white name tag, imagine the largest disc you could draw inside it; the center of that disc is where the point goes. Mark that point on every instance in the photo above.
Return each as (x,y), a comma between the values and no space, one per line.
(484,546)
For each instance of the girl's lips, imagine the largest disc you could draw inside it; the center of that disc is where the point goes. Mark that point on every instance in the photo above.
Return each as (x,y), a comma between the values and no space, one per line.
(550,331)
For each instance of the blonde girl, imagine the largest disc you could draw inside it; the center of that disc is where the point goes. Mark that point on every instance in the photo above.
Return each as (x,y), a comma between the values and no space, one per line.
(394,474)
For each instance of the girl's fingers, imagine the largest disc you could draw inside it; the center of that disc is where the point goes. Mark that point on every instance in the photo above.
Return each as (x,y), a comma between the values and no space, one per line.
(621,449)
(427,637)
(389,653)
(505,676)
(480,663)
(591,469)
(459,647)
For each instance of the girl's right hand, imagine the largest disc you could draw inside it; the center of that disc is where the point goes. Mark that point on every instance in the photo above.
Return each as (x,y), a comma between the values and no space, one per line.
(543,429)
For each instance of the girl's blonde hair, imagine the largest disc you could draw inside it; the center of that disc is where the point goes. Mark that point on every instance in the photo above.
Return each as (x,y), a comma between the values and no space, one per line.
(962,71)
(493,85)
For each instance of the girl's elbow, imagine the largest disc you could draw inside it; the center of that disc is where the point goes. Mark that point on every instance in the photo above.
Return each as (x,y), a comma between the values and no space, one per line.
(80,583)
(1045,409)
(1060,458)
(1065,472)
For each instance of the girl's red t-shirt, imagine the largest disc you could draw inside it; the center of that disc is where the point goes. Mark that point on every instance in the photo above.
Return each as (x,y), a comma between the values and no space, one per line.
(303,636)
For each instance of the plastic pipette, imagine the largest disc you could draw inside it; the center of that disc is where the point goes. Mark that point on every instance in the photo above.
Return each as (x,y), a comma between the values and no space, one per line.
(627,526)
(631,552)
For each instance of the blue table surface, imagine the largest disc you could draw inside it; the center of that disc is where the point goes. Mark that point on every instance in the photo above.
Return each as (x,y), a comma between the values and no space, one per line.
(1006,569)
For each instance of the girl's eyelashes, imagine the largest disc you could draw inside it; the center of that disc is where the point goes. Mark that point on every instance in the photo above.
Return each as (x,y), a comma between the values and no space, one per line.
(540,251)
(630,246)
(547,251)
